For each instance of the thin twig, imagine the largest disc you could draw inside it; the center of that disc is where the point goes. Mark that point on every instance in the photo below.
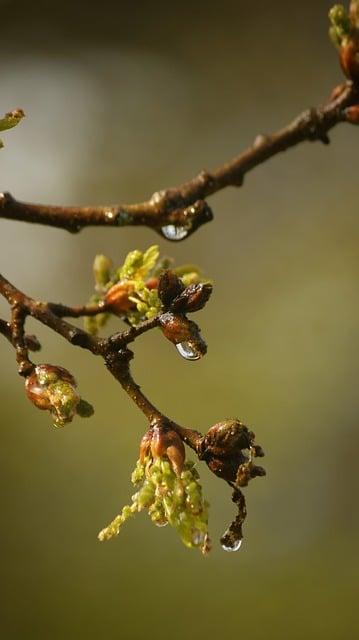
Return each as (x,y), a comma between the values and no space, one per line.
(31,341)
(185,206)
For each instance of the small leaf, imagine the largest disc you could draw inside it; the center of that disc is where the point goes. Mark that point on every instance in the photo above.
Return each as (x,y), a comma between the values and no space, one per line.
(11,119)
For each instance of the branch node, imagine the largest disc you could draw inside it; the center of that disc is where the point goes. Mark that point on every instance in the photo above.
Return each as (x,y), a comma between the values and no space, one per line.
(317,129)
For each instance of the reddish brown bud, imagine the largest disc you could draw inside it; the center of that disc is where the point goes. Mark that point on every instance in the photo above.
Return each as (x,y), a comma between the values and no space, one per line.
(167,442)
(54,388)
(117,298)
(184,334)
(42,376)
(193,298)
(352,114)
(177,328)
(354,13)
(349,59)
(152,283)
(225,437)
(145,445)
(37,393)
(228,448)
(162,441)
(169,287)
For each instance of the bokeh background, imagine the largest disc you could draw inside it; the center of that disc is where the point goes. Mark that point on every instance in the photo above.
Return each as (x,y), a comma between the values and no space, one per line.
(123,99)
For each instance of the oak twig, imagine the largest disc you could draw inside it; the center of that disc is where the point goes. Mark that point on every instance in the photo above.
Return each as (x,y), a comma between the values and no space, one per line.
(175,213)
(185,206)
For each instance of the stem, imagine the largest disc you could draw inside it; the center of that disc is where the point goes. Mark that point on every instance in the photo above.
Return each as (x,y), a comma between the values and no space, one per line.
(18,317)
(31,342)
(184,205)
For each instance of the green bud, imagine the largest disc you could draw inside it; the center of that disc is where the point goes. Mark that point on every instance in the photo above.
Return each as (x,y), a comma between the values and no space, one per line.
(102,270)
(11,119)
(133,262)
(90,325)
(341,26)
(146,495)
(138,473)
(84,409)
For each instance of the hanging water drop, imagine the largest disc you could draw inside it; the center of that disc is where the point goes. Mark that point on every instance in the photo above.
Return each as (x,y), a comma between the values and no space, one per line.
(231,545)
(171,232)
(198,538)
(161,523)
(188,351)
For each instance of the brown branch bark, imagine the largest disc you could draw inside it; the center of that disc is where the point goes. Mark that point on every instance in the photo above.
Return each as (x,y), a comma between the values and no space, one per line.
(185,206)
(113,350)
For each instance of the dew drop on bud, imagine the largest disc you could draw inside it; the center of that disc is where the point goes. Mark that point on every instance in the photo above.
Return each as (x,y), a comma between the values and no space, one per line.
(198,538)
(171,232)
(231,545)
(188,351)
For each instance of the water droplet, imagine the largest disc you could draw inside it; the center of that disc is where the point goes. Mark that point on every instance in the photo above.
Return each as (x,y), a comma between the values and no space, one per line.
(198,538)
(232,545)
(171,232)
(161,523)
(188,351)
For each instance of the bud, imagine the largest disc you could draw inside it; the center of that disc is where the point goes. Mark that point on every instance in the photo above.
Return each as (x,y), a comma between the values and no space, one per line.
(354,13)
(185,334)
(102,270)
(152,283)
(193,298)
(169,287)
(11,119)
(117,298)
(352,114)
(84,409)
(160,442)
(166,442)
(176,328)
(228,449)
(344,33)
(340,29)
(349,59)
(54,389)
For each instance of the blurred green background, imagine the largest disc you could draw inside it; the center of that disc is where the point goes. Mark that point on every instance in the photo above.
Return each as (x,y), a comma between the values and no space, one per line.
(123,99)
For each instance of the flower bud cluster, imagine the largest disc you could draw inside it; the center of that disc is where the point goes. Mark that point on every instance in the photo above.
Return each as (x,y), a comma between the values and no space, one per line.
(54,389)
(139,290)
(344,33)
(229,450)
(170,491)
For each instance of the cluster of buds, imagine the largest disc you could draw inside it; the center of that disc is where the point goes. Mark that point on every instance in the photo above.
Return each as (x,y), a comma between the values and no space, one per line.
(229,450)
(129,291)
(168,488)
(140,288)
(344,33)
(178,300)
(54,389)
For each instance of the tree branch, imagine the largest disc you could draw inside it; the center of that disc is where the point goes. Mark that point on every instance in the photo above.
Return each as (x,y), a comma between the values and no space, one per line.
(184,207)
(31,342)
(113,349)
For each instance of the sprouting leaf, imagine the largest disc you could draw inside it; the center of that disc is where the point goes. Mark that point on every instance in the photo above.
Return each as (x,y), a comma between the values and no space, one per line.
(10,120)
